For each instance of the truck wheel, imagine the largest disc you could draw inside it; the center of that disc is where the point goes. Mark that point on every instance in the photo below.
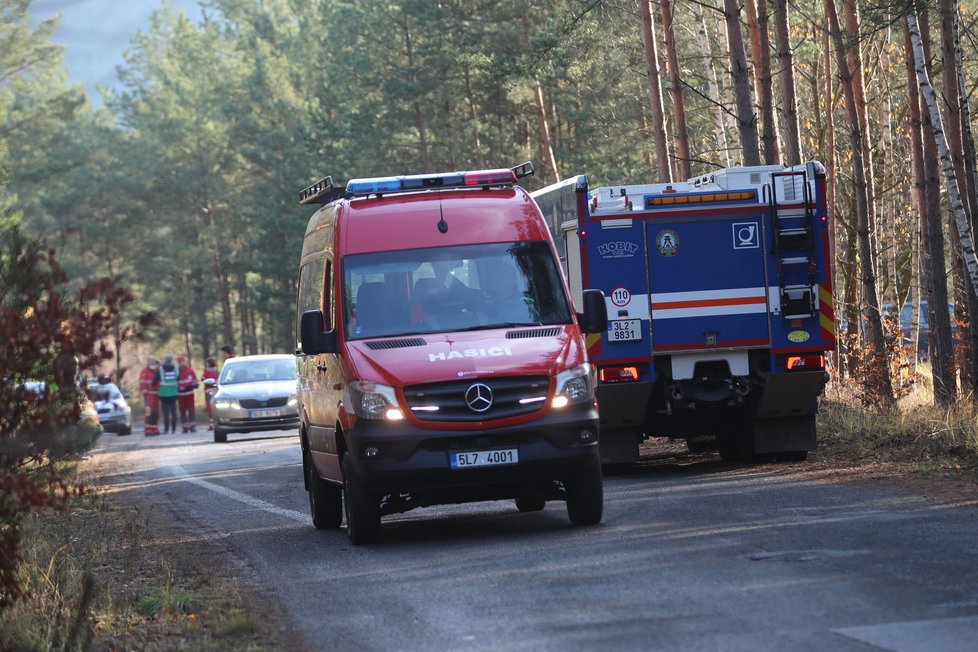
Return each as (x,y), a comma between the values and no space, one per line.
(585,497)
(220,435)
(362,508)
(325,499)
(530,503)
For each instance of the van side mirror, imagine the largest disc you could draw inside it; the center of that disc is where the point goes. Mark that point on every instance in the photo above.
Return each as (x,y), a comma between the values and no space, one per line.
(594,319)
(314,338)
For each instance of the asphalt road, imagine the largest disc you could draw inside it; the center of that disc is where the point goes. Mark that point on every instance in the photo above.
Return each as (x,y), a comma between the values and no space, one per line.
(693,554)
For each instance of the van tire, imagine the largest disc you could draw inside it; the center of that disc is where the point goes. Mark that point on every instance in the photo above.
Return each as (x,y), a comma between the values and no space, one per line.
(325,499)
(362,508)
(585,497)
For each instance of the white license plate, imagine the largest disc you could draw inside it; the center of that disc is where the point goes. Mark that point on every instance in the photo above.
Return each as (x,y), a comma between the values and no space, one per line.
(473,459)
(624,330)
(263,414)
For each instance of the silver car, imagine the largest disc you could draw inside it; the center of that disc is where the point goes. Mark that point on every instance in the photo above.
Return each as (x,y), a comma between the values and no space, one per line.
(113,409)
(255,392)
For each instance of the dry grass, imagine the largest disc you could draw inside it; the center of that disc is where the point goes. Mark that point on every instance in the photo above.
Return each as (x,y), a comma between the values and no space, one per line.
(107,577)
(914,434)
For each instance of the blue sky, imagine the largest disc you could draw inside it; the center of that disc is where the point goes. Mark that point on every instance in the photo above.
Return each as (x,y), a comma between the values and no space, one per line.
(95,32)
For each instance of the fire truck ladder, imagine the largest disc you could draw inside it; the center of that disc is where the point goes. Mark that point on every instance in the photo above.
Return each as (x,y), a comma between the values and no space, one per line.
(794,243)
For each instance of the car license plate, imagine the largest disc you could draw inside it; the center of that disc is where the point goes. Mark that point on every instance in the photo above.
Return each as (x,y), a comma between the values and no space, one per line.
(624,330)
(263,414)
(474,459)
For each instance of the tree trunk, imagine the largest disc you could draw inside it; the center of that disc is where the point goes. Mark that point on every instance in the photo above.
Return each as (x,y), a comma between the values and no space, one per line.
(966,301)
(474,116)
(655,93)
(942,356)
(712,87)
(545,144)
(791,134)
(760,46)
(676,82)
(746,119)
(879,358)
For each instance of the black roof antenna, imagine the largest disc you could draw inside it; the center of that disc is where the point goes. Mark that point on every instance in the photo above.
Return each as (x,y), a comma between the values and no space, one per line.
(442,224)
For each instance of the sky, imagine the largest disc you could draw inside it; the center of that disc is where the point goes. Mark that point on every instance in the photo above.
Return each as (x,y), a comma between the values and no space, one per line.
(95,32)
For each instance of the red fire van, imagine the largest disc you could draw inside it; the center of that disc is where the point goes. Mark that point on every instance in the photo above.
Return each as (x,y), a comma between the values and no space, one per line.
(440,356)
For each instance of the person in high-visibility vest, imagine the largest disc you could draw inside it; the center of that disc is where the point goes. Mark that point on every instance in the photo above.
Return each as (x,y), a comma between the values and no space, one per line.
(151,398)
(186,386)
(166,383)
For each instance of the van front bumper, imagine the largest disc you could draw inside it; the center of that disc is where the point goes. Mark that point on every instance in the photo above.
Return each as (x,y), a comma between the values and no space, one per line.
(399,457)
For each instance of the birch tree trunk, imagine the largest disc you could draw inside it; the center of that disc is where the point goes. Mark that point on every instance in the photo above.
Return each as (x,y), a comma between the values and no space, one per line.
(712,87)
(878,358)
(760,46)
(964,310)
(942,354)
(676,82)
(655,93)
(950,180)
(791,134)
(746,119)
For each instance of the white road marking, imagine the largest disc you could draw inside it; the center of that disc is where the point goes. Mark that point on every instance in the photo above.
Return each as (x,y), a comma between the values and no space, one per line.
(182,474)
(945,634)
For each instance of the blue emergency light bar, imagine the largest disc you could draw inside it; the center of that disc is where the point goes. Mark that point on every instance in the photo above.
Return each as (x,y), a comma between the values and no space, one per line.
(442,180)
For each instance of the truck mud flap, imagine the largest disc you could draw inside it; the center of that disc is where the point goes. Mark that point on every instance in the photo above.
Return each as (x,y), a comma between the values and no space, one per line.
(784,435)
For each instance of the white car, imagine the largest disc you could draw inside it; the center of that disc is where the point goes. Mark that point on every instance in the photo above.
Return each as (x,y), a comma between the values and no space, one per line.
(113,409)
(255,392)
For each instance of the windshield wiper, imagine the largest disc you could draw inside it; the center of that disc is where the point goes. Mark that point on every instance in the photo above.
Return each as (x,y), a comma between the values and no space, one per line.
(504,324)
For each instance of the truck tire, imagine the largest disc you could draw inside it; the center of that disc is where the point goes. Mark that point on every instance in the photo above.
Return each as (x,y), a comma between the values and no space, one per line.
(530,503)
(325,499)
(362,508)
(585,497)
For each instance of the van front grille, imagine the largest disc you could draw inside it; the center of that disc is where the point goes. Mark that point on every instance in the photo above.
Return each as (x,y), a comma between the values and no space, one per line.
(508,397)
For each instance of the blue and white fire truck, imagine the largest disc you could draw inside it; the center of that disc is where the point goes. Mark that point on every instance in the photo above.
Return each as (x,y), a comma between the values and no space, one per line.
(719,296)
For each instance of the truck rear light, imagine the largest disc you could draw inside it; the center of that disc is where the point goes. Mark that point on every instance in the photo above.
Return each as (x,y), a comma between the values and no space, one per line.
(618,374)
(809,362)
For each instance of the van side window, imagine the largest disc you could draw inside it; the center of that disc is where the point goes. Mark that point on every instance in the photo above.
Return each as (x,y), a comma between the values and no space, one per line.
(310,294)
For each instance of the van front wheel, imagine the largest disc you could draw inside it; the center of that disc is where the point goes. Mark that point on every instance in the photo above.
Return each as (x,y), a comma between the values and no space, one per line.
(585,497)
(325,499)
(362,507)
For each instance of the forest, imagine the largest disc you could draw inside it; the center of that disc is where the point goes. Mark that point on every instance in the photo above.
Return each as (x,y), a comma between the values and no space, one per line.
(182,186)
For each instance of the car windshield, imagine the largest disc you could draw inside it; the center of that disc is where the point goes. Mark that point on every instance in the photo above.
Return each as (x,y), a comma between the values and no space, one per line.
(105,392)
(442,289)
(250,371)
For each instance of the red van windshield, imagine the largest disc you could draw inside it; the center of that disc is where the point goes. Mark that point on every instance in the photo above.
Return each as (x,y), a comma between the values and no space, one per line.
(442,289)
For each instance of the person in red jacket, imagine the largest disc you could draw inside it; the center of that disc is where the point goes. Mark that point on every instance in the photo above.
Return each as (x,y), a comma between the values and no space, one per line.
(186,386)
(151,398)
(210,371)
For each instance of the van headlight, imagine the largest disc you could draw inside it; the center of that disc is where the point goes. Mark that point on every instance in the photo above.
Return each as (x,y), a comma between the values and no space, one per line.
(372,400)
(575,385)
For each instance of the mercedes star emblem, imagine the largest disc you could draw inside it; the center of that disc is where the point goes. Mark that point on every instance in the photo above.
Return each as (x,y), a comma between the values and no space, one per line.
(478,397)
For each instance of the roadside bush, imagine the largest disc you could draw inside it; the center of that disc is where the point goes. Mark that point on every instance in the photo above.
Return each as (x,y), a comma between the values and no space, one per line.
(48,333)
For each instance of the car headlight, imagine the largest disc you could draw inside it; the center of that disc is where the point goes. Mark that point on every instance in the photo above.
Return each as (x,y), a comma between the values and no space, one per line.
(293,400)
(225,403)
(575,385)
(374,401)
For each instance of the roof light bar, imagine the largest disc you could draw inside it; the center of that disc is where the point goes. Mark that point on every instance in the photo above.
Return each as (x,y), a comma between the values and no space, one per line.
(658,201)
(414,182)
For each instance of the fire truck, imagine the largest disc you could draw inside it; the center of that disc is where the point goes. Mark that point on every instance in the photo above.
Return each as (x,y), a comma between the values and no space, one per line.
(719,299)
